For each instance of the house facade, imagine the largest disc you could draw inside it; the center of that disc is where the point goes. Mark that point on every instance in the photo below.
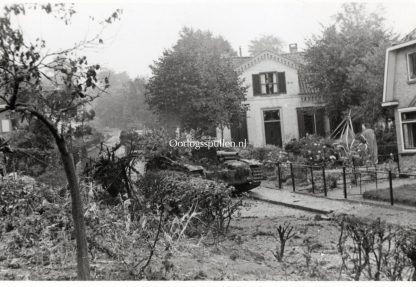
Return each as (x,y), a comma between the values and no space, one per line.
(400,95)
(280,104)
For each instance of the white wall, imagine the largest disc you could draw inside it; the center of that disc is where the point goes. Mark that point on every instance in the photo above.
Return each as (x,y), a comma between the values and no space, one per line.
(287,103)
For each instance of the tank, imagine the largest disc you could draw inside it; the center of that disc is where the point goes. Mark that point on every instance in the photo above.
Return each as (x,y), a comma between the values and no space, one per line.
(225,166)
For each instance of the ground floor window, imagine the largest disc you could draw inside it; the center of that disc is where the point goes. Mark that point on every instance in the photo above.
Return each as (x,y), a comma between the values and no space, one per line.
(408,120)
(311,120)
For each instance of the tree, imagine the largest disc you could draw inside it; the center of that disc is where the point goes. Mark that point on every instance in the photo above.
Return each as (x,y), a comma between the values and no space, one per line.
(266,42)
(194,85)
(124,105)
(346,62)
(51,87)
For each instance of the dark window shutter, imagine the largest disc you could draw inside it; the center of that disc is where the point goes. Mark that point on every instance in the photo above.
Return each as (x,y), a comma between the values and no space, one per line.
(301,124)
(281,81)
(256,85)
(320,122)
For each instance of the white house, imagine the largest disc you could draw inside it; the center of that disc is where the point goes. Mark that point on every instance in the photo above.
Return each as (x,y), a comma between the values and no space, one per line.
(400,95)
(281,105)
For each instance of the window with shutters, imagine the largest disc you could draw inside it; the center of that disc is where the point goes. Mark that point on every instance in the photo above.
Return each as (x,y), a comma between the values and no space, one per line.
(269,83)
(411,63)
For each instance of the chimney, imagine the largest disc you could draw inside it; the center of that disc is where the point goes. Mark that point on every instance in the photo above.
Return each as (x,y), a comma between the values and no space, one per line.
(239,49)
(293,48)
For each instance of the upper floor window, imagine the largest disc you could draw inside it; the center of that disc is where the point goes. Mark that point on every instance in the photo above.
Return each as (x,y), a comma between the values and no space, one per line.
(269,83)
(411,60)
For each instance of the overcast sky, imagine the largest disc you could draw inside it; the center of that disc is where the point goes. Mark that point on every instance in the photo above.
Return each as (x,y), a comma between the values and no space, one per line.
(148,27)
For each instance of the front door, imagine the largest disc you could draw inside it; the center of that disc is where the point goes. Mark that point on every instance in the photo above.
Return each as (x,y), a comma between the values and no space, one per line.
(272,128)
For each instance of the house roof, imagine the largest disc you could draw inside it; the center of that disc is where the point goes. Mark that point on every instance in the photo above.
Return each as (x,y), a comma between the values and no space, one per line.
(298,57)
(410,36)
(401,45)
(295,60)
(238,61)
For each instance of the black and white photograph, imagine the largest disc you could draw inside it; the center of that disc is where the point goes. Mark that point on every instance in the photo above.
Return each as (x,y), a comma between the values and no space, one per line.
(207,142)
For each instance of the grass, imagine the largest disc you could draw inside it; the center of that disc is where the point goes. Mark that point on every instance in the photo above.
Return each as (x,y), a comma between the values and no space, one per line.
(405,194)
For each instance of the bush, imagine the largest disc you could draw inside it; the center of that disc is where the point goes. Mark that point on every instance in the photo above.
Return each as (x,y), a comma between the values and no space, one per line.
(331,180)
(386,143)
(313,149)
(180,194)
(376,250)
(267,153)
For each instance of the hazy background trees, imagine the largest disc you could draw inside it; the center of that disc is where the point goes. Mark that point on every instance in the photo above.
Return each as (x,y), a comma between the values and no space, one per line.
(123,106)
(266,42)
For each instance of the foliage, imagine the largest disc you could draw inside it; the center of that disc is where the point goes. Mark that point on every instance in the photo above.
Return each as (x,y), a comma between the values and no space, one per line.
(374,249)
(265,154)
(151,143)
(194,85)
(52,87)
(123,106)
(36,222)
(356,154)
(313,149)
(37,227)
(346,62)
(181,194)
(331,180)
(386,142)
(265,43)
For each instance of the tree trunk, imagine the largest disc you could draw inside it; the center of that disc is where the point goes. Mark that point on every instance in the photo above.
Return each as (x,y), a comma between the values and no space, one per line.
(83,267)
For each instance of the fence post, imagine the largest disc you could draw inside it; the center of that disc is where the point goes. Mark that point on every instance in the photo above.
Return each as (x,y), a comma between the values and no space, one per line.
(398,164)
(391,188)
(292,176)
(324,179)
(354,172)
(375,171)
(279,175)
(345,182)
(313,182)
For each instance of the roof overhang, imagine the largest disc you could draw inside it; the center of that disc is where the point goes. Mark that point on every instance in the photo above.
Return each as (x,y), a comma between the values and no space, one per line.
(402,45)
(390,104)
(267,55)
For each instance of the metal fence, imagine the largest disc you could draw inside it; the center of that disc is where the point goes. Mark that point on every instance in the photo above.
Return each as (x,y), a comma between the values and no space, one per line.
(343,182)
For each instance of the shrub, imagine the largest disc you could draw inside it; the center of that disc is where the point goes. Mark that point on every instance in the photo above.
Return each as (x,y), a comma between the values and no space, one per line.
(313,149)
(266,154)
(386,143)
(331,180)
(376,250)
(181,194)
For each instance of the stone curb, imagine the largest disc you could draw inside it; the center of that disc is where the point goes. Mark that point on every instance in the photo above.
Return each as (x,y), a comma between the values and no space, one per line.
(353,201)
(296,206)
